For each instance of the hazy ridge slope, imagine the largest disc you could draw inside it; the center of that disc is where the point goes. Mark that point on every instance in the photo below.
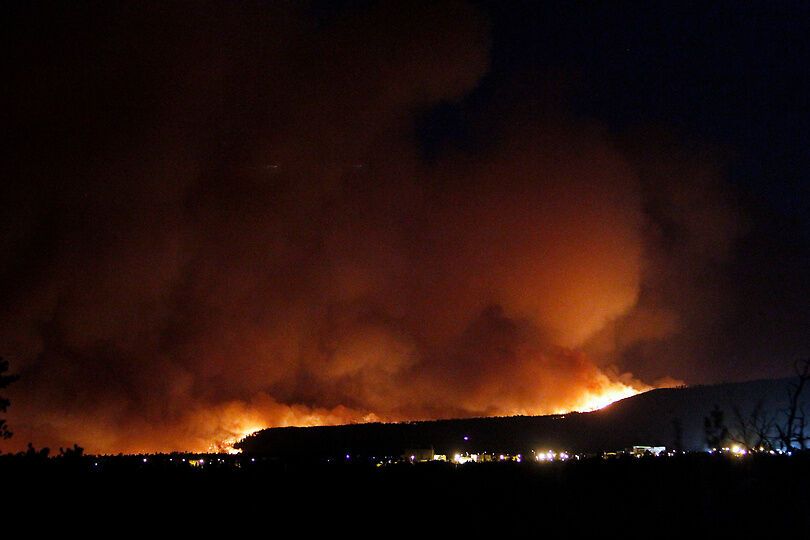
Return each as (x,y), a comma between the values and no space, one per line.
(649,419)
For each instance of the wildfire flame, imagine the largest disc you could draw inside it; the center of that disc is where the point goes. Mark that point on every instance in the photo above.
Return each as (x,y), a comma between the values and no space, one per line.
(595,400)
(227,445)
(590,400)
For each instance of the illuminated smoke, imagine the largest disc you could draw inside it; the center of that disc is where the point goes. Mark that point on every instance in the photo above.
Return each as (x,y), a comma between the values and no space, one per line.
(274,250)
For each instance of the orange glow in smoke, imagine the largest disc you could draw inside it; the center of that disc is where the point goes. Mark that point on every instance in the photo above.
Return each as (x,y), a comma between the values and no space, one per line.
(590,400)
(595,400)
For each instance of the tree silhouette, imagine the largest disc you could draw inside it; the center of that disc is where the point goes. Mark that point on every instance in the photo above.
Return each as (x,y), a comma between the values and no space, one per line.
(677,431)
(33,453)
(715,430)
(792,430)
(71,453)
(5,380)
(754,431)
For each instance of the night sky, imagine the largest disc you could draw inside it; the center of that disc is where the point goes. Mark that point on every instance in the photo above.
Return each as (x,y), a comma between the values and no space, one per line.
(223,216)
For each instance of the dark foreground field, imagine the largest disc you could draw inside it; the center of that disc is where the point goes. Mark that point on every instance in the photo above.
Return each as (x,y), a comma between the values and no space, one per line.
(647,496)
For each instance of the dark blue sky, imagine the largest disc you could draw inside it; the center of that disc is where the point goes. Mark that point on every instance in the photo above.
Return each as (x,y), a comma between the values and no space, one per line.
(733,74)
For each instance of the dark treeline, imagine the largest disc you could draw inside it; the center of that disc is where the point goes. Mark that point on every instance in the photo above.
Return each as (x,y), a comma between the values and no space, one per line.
(693,492)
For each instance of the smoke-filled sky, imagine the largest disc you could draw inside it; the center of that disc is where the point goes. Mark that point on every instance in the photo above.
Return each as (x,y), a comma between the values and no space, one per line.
(219,217)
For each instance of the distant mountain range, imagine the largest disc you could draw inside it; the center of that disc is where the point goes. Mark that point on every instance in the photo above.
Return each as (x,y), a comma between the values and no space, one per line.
(663,417)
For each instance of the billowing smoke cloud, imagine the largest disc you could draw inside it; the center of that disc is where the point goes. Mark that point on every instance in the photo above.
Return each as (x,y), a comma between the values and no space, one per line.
(226,221)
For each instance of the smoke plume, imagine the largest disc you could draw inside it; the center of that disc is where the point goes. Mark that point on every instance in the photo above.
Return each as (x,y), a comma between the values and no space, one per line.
(226,219)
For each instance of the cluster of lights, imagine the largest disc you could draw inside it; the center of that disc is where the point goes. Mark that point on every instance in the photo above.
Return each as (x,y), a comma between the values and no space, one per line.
(465,458)
(551,455)
(738,450)
(460,459)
